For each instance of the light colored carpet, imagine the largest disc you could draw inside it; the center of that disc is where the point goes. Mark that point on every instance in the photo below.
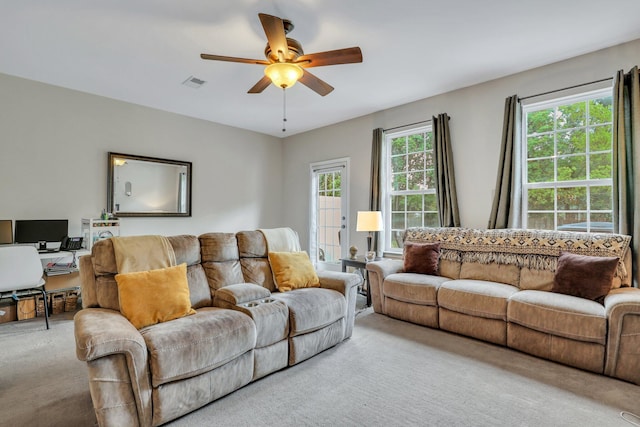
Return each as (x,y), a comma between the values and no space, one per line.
(390,373)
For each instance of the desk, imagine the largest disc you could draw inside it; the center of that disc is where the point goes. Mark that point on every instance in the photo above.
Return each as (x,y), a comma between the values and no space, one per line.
(62,283)
(359,263)
(59,256)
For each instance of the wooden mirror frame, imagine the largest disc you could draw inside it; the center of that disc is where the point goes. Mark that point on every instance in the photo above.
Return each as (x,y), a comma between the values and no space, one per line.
(113,186)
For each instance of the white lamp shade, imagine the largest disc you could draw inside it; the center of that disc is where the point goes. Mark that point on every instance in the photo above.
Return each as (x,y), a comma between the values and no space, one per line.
(369,221)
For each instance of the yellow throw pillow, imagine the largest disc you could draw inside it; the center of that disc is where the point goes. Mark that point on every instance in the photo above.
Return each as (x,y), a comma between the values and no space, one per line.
(293,270)
(154,296)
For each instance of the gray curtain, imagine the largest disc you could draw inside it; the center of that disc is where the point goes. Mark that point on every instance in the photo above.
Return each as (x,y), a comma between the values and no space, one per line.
(626,160)
(445,177)
(375,197)
(506,211)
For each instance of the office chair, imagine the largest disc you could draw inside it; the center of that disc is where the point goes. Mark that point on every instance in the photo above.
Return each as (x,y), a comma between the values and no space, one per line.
(21,270)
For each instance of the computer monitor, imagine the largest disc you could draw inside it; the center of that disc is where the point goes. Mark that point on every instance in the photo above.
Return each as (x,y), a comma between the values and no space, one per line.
(41,230)
(6,231)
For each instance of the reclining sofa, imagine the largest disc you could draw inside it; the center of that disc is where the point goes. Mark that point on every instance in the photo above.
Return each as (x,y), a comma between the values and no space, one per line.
(496,285)
(242,329)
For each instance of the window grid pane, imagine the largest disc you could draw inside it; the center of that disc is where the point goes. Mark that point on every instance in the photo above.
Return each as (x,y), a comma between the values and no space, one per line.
(568,164)
(328,215)
(410,185)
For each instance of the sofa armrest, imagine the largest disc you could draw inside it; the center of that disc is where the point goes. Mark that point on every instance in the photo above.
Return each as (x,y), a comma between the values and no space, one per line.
(338,281)
(87,282)
(377,271)
(103,334)
(622,307)
(347,284)
(232,295)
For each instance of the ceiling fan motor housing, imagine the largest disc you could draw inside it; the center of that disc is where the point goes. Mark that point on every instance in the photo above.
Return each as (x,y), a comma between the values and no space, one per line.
(295,51)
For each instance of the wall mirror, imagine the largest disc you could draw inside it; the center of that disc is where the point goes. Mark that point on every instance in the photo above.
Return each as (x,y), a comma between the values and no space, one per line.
(148,186)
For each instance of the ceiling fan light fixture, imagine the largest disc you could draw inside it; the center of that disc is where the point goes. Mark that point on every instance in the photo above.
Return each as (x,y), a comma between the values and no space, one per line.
(283,74)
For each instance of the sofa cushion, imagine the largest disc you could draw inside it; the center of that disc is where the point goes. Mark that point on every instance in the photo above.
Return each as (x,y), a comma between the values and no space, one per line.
(558,314)
(421,258)
(199,291)
(258,271)
(154,296)
(252,244)
(186,248)
(293,270)
(535,279)
(413,288)
(240,293)
(500,273)
(312,308)
(584,276)
(220,259)
(476,298)
(191,345)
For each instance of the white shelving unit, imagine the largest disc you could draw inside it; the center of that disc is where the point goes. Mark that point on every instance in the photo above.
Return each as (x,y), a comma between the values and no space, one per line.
(98,229)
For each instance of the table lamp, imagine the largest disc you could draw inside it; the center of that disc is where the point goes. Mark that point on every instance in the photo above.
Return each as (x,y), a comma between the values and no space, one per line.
(369,221)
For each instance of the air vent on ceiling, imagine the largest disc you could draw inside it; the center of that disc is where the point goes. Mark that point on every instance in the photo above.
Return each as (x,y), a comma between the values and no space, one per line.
(193,82)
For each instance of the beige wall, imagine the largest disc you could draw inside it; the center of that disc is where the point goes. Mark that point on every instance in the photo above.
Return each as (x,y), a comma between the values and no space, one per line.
(476,126)
(53,160)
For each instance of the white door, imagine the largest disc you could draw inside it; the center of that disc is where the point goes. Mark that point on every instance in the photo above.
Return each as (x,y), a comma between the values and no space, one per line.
(329,231)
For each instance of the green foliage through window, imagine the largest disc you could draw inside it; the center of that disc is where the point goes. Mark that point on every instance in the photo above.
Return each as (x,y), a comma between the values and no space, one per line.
(410,184)
(568,173)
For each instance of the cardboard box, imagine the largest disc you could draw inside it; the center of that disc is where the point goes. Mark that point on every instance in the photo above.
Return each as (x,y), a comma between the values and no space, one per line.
(10,311)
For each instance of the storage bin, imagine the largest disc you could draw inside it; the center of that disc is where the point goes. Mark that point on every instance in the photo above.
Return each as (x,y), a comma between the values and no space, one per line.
(57,302)
(26,308)
(9,311)
(40,305)
(71,300)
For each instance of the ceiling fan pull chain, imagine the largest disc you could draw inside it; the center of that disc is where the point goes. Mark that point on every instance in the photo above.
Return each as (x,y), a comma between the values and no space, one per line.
(284,109)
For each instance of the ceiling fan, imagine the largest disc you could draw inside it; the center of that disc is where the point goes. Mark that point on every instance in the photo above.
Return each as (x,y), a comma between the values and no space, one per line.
(285,61)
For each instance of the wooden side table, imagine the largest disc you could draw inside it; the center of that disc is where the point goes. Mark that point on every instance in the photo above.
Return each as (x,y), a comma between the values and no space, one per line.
(359,263)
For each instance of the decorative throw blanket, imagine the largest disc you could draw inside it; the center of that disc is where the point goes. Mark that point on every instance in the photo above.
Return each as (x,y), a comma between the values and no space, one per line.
(535,249)
(142,253)
(281,239)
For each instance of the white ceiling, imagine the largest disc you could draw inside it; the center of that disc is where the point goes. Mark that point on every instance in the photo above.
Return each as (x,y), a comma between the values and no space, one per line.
(140,51)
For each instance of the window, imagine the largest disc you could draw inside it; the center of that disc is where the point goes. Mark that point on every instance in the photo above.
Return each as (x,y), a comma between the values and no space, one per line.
(410,198)
(567,171)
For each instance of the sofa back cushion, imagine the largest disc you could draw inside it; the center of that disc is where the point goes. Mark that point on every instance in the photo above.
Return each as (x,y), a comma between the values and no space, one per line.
(187,250)
(536,280)
(501,273)
(220,259)
(254,259)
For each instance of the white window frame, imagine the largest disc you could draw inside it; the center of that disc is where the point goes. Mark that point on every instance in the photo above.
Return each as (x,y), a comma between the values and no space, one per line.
(587,183)
(386,183)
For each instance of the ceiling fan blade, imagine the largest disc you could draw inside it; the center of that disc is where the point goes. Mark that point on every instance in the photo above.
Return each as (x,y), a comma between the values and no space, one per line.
(349,55)
(233,59)
(274,29)
(312,82)
(262,84)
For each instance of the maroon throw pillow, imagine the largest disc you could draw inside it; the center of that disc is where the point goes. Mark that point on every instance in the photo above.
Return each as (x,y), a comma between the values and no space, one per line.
(584,276)
(421,258)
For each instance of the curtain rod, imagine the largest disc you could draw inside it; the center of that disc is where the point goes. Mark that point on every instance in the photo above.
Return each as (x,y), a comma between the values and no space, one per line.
(565,88)
(409,124)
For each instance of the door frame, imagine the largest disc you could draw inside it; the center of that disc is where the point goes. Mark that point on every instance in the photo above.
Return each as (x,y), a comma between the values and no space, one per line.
(315,167)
